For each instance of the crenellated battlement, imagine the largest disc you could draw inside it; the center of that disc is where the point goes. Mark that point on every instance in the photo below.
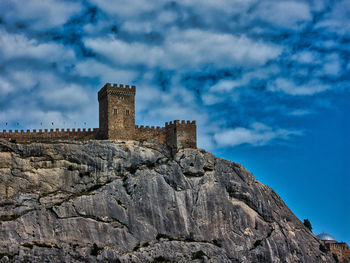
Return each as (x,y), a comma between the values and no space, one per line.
(120,87)
(40,131)
(117,122)
(116,89)
(49,134)
(176,134)
(181,123)
(149,128)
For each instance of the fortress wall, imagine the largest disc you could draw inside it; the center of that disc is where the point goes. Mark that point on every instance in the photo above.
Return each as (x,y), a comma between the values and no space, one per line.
(49,135)
(150,134)
(181,134)
(186,134)
(116,122)
(175,134)
(170,134)
(341,249)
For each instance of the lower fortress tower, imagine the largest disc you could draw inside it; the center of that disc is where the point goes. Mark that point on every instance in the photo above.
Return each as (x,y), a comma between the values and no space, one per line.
(116,122)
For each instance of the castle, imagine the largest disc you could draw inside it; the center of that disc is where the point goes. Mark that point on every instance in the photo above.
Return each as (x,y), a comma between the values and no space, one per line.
(116,122)
(339,250)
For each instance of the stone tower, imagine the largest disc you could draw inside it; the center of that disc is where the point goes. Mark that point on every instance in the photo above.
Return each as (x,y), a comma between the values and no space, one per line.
(117,112)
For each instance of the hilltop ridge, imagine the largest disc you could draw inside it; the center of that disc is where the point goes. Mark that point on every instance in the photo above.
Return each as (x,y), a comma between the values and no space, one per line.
(129,201)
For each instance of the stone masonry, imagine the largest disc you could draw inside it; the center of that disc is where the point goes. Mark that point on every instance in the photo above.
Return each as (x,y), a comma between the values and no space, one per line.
(339,250)
(116,122)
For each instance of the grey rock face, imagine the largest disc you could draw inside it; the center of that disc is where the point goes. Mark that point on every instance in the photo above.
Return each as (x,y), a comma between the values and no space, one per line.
(102,201)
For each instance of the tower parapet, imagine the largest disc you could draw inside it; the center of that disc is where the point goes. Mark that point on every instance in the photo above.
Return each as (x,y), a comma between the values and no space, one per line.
(116,89)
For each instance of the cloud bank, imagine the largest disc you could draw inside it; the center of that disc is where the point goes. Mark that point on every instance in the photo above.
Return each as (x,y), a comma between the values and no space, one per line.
(243,69)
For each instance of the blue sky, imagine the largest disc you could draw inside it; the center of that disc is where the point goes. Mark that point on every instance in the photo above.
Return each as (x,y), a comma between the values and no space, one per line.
(267,81)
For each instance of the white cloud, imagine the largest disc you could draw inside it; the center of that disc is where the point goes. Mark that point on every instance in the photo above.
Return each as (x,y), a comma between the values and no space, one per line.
(142,16)
(211,13)
(215,93)
(229,6)
(39,14)
(60,102)
(307,57)
(37,118)
(332,69)
(196,36)
(331,66)
(234,88)
(338,19)
(64,95)
(166,17)
(106,73)
(291,88)
(134,8)
(19,46)
(158,23)
(5,87)
(33,115)
(56,92)
(225,85)
(189,49)
(127,8)
(285,14)
(205,141)
(23,79)
(300,112)
(14,81)
(318,5)
(211,99)
(155,106)
(138,27)
(197,47)
(175,104)
(257,134)
(101,26)
(49,87)
(123,53)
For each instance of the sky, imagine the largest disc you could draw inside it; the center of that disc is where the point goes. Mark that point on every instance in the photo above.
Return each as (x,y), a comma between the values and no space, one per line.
(268,82)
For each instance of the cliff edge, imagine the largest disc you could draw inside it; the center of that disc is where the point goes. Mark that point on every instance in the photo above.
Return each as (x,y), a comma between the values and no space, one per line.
(102,201)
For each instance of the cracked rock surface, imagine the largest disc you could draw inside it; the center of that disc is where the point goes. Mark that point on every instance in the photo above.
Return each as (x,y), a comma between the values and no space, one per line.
(103,201)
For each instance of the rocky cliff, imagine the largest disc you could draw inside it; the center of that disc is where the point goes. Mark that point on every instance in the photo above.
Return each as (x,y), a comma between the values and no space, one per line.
(101,201)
